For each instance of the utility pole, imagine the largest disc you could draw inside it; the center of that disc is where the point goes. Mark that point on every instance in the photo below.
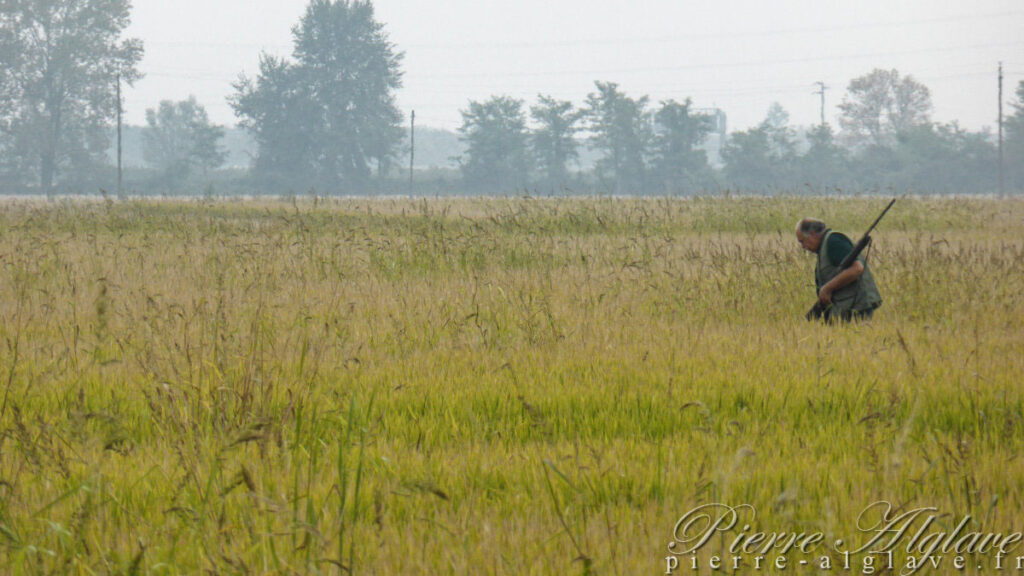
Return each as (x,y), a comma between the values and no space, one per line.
(821,91)
(119,135)
(412,147)
(1001,183)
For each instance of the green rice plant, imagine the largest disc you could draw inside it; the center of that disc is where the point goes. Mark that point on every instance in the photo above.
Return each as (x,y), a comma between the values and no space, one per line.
(487,385)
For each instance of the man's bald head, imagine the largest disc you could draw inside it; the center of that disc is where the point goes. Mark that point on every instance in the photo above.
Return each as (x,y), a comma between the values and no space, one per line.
(810,226)
(809,232)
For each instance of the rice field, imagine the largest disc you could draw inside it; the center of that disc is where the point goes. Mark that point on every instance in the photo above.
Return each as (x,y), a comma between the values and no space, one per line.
(494,386)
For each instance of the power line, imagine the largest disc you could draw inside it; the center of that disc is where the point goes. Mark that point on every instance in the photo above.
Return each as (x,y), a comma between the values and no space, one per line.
(584,42)
(215,99)
(669,89)
(711,36)
(230,76)
(742,64)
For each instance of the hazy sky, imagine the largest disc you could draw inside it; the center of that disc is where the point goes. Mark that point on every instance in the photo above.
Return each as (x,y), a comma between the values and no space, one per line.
(738,55)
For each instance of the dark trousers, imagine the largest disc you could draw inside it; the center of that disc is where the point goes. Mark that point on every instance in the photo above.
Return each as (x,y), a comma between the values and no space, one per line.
(856,315)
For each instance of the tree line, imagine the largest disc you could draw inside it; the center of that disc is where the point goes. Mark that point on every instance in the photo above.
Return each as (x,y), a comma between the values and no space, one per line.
(887,140)
(326,119)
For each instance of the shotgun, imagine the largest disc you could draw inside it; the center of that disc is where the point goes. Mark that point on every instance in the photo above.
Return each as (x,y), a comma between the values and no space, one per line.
(818,312)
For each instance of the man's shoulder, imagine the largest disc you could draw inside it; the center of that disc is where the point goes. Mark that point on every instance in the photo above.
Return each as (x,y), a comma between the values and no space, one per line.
(838,238)
(837,246)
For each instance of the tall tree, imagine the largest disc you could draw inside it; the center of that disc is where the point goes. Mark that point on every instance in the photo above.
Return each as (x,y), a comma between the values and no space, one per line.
(61,61)
(496,144)
(622,130)
(324,119)
(880,105)
(276,110)
(678,164)
(554,140)
(180,140)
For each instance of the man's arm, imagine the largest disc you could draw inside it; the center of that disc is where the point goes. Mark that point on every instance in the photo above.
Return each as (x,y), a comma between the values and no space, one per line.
(842,279)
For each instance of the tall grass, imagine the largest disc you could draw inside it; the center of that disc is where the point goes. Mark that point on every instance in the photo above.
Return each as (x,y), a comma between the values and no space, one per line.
(486,385)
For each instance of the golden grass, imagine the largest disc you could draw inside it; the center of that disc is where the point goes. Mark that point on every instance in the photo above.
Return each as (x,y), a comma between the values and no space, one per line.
(508,386)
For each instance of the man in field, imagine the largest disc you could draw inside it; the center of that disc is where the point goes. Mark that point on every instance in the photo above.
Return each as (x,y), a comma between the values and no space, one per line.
(848,294)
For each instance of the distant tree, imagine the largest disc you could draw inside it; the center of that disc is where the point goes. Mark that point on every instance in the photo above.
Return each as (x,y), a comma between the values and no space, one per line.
(277,111)
(180,140)
(748,160)
(780,136)
(61,59)
(880,105)
(930,158)
(782,141)
(677,162)
(825,163)
(324,119)
(554,140)
(944,158)
(764,156)
(622,131)
(496,144)
(875,166)
(436,148)
(1013,150)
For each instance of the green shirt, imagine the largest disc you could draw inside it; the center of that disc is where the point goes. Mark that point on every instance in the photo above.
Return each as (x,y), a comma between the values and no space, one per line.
(837,248)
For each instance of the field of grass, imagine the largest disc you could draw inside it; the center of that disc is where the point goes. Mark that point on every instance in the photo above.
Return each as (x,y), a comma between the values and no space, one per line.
(488,386)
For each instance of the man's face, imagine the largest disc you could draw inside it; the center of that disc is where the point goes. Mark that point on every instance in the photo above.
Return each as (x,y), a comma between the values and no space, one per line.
(810,242)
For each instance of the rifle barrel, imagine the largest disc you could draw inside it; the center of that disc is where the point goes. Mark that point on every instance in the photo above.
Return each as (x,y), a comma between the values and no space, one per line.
(880,216)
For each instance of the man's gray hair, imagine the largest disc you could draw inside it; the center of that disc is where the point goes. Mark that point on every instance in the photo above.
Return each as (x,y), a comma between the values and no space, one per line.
(810,226)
